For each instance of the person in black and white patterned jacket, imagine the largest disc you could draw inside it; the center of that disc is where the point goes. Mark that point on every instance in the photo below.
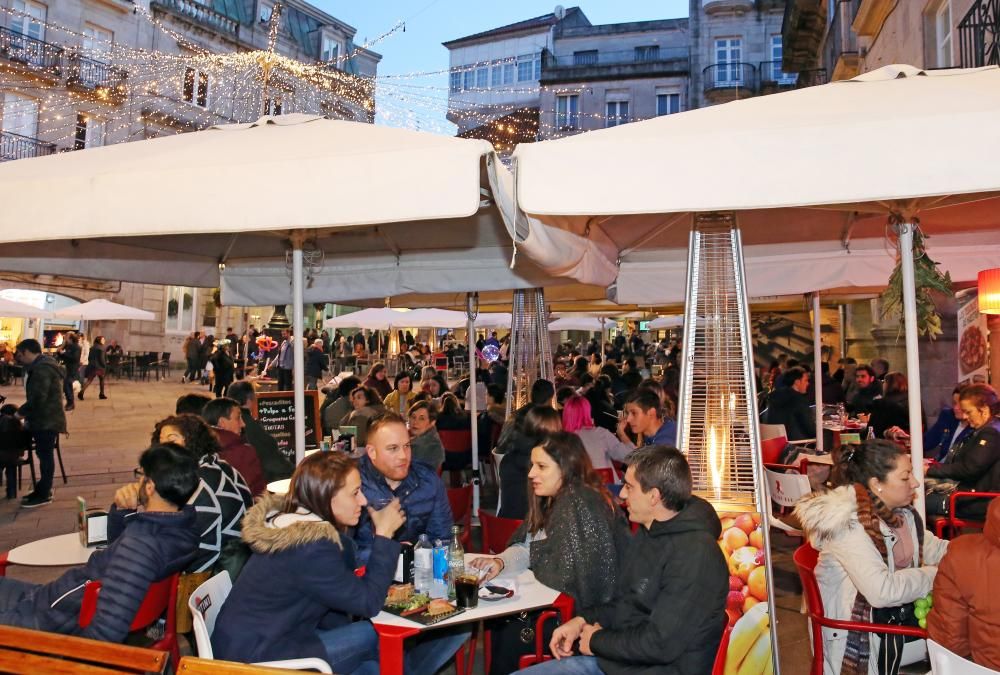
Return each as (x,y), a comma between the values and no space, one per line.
(222,497)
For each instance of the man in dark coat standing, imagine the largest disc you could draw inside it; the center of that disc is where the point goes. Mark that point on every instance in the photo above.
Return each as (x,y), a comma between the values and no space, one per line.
(43,414)
(667,613)
(70,356)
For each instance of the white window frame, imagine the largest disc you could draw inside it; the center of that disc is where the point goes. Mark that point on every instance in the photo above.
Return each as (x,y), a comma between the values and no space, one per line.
(93,129)
(482,77)
(526,66)
(726,51)
(468,79)
(181,324)
(264,11)
(455,81)
(275,105)
(509,73)
(778,74)
(568,117)
(329,51)
(496,75)
(616,112)
(97,42)
(667,96)
(943,28)
(196,94)
(20,115)
(33,24)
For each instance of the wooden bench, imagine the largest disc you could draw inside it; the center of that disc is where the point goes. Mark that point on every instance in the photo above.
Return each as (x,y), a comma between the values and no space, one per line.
(191,665)
(32,651)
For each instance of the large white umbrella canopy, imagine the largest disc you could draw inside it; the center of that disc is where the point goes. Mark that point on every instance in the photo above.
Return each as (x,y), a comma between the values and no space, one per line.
(19,310)
(373,318)
(104,310)
(666,322)
(812,175)
(588,323)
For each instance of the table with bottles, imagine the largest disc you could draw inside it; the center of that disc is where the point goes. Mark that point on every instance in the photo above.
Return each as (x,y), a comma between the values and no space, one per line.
(393,630)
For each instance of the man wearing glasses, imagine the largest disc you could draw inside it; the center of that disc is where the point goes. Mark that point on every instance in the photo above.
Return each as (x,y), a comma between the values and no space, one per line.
(146,544)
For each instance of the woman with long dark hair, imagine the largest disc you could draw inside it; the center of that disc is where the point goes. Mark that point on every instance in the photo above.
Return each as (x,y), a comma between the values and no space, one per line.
(301,574)
(571,538)
(875,557)
(538,422)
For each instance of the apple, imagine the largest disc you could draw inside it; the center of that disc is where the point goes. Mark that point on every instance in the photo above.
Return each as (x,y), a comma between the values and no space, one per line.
(757,538)
(744,521)
(735,538)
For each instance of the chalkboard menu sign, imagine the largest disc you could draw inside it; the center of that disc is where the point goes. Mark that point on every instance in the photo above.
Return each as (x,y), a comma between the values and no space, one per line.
(276,413)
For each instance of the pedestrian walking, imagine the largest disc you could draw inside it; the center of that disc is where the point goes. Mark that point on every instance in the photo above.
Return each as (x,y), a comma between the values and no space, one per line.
(97,364)
(43,413)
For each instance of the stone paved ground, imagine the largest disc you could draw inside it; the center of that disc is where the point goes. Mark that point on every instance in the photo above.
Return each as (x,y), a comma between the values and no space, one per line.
(106,438)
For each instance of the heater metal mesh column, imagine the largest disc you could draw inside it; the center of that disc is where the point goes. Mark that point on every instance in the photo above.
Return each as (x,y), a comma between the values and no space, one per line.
(718,428)
(530,351)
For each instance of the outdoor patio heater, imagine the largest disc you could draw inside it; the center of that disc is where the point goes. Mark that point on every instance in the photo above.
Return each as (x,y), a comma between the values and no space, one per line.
(530,350)
(717,424)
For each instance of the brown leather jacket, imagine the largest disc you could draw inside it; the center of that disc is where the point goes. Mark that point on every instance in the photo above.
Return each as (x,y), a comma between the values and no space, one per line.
(966,614)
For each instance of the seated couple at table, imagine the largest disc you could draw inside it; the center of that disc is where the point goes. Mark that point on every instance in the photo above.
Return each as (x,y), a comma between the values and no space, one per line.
(307,577)
(146,545)
(654,601)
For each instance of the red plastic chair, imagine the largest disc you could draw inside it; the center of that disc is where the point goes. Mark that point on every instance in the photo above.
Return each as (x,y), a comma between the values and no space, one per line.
(948,527)
(607,475)
(805,558)
(719,667)
(496,531)
(460,500)
(620,468)
(539,656)
(458,452)
(161,597)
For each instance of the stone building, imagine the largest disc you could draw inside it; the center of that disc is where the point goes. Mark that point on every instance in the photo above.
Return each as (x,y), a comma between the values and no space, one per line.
(78,74)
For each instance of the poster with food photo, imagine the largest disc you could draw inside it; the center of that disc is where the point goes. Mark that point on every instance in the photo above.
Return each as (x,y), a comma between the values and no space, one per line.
(750,625)
(972,339)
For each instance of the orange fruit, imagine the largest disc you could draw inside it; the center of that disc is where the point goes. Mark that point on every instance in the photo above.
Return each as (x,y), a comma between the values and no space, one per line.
(756,518)
(734,538)
(757,538)
(757,581)
(749,602)
(744,521)
(727,523)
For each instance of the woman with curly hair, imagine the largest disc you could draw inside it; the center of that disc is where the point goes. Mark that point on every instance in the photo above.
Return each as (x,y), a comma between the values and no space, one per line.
(222,497)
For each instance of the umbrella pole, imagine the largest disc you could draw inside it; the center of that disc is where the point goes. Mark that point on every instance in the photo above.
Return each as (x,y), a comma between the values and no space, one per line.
(472,311)
(912,357)
(298,353)
(817,374)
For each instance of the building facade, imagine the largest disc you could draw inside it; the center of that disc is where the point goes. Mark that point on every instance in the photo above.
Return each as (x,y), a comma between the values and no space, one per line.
(596,76)
(78,74)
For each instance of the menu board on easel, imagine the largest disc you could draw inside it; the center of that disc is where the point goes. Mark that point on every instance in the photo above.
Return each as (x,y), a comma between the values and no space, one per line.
(276,413)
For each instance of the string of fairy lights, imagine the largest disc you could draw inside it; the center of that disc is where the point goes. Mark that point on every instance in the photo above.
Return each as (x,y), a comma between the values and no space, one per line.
(124,92)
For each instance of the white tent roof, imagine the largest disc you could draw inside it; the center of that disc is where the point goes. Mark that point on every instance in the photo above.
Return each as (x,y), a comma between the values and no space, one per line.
(571,322)
(666,322)
(373,318)
(104,310)
(822,164)
(19,310)
(383,318)
(389,212)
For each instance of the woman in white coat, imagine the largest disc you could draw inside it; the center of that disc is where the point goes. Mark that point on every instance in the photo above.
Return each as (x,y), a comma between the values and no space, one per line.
(873,554)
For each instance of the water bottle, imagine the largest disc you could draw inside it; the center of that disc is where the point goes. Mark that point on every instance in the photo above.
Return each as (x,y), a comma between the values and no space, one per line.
(423,565)
(456,559)
(439,587)
(842,413)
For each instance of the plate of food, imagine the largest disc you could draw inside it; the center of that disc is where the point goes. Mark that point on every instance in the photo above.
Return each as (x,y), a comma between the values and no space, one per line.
(403,600)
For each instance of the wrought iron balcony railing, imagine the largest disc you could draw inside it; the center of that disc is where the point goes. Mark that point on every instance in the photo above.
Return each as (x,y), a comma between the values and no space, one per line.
(772,74)
(979,35)
(200,13)
(27,50)
(732,75)
(16,146)
(108,81)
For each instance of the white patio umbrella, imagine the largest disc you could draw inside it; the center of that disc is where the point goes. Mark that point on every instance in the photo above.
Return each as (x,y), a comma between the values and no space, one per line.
(19,310)
(104,310)
(373,318)
(826,165)
(592,324)
(667,322)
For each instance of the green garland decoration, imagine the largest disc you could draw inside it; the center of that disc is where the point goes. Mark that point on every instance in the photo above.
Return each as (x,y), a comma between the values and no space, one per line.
(928,279)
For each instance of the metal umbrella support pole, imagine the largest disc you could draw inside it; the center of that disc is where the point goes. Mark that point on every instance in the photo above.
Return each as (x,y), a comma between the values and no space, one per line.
(817,372)
(298,352)
(905,231)
(472,311)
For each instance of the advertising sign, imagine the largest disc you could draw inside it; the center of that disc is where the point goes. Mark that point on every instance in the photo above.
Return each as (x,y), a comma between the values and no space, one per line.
(973,361)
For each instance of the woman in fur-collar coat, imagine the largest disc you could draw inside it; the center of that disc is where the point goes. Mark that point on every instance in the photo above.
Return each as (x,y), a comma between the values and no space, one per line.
(873,551)
(296,595)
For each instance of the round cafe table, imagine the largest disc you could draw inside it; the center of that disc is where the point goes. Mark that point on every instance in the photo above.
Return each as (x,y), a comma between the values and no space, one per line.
(58,551)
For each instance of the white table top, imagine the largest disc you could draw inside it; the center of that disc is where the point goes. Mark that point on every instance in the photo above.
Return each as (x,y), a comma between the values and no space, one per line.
(531,594)
(63,549)
(279,487)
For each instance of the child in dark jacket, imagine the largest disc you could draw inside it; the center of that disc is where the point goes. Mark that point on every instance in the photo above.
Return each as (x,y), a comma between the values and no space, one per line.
(14,441)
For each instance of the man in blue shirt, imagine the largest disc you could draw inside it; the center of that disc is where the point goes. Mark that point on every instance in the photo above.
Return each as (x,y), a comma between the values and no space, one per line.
(644,416)
(387,473)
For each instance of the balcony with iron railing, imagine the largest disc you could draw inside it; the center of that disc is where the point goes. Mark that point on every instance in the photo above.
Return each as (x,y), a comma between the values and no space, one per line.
(593,64)
(979,35)
(27,51)
(729,81)
(773,78)
(841,49)
(103,80)
(15,146)
(199,13)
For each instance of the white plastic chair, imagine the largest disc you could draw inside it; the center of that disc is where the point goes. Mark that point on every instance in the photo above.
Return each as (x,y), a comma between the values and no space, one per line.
(945,662)
(206,603)
(769,431)
(785,489)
